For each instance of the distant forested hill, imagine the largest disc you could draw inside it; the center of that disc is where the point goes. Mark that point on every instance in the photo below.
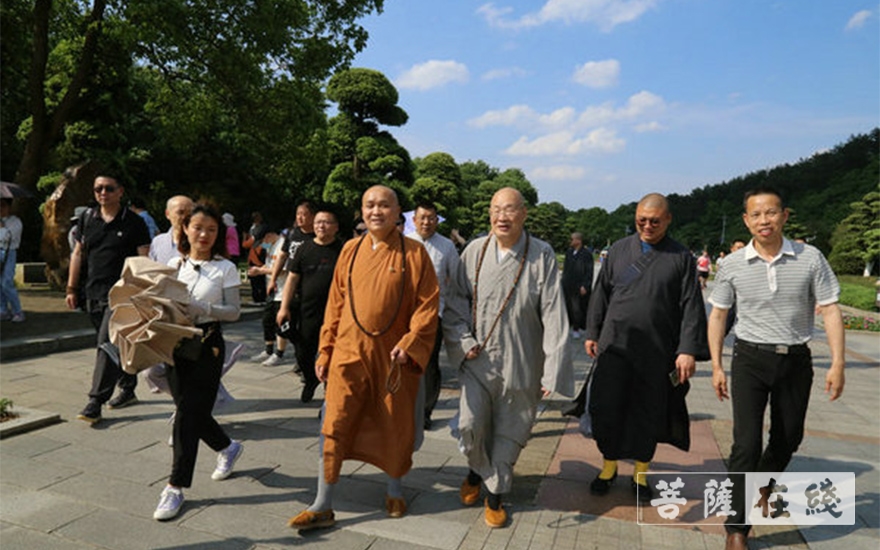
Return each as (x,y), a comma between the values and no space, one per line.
(819,191)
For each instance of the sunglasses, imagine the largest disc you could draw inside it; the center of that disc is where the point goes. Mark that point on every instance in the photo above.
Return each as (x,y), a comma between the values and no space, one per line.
(653,222)
(105,189)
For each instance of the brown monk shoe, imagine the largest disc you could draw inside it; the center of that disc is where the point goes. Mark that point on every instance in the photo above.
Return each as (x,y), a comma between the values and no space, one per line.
(396,507)
(306,520)
(469,494)
(495,518)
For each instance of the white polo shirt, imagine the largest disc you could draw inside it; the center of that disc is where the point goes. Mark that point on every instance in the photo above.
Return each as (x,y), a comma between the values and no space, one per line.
(775,300)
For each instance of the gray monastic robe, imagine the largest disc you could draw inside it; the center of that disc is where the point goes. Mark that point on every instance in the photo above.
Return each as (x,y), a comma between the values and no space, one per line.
(528,350)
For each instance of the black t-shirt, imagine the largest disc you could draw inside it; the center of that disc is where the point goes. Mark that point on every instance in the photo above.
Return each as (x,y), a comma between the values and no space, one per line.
(294,238)
(314,263)
(107,245)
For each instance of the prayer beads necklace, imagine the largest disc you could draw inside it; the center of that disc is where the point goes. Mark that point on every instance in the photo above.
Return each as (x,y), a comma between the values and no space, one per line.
(519,271)
(399,298)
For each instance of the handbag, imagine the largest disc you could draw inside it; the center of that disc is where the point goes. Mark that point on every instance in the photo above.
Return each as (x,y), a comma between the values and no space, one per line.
(585,423)
(189,349)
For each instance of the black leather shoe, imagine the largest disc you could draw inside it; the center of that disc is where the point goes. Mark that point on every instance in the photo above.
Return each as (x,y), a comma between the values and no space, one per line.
(642,492)
(600,487)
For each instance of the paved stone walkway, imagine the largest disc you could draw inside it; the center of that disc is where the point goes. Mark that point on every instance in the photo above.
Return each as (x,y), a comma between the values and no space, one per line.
(69,486)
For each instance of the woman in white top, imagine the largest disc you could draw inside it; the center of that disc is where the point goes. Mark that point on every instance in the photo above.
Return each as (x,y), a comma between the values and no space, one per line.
(213,283)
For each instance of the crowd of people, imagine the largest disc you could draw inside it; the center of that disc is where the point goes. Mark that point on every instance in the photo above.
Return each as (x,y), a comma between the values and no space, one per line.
(368,315)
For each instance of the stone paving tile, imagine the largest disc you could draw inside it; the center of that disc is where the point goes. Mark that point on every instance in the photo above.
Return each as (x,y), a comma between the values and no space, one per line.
(276,476)
(28,474)
(17,537)
(121,531)
(39,510)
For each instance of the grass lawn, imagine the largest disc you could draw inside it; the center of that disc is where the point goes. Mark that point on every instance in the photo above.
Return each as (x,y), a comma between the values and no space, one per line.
(858,292)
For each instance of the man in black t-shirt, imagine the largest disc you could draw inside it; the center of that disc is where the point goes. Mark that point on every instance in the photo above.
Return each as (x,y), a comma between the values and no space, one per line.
(311,273)
(108,234)
(303,230)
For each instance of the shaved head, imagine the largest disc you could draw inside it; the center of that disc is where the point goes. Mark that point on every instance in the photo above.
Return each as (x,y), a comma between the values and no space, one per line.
(507,215)
(380,210)
(652,218)
(654,201)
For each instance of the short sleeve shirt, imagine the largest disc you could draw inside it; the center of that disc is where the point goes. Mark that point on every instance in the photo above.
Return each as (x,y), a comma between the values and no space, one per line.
(775,300)
(107,245)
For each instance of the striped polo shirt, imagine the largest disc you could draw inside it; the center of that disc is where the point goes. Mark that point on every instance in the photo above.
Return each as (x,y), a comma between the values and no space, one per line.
(776,300)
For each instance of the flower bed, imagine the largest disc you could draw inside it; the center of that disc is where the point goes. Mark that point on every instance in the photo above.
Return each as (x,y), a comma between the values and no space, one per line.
(858,322)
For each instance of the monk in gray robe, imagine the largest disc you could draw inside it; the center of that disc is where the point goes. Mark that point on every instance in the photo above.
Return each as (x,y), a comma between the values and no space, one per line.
(506,330)
(647,325)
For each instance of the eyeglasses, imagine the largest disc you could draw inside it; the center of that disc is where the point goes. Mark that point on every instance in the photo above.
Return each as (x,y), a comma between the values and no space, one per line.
(653,222)
(508,210)
(105,189)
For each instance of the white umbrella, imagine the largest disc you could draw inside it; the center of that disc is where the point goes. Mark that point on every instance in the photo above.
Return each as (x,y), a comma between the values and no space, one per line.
(149,314)
(13,190)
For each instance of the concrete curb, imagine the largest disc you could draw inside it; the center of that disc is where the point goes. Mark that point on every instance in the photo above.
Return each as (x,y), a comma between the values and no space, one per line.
(28,419)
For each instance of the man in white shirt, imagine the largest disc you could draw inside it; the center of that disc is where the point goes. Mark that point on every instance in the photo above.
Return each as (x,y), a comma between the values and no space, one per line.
(445,258)
(164,245)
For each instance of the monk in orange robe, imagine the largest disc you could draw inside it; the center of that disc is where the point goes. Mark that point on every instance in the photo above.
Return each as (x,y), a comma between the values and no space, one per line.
(378,333)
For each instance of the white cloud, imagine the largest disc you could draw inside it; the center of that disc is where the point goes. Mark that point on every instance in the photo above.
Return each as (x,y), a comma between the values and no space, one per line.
(507,72)
(858,20)
(652,126)
(432,74)
(597,74)
(560,172)
(604,13)
(564,143)
(512,116)
(640,105)
(558,118)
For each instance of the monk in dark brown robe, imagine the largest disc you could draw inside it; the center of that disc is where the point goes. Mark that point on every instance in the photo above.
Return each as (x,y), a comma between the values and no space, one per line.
(378,334)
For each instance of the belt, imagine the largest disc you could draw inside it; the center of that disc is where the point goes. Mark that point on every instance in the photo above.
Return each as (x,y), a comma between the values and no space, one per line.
(779,349)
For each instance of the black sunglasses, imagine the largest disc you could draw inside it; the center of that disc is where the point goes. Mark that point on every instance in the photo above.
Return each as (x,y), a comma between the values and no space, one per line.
(107,188)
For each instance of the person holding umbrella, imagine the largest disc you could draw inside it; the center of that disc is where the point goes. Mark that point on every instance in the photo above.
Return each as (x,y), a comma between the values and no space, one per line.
(10,239)
(212,282)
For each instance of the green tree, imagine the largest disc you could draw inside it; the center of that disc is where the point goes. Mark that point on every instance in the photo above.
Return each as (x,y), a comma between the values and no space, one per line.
(856,241)
(363,154)
(547,222)
(231,50)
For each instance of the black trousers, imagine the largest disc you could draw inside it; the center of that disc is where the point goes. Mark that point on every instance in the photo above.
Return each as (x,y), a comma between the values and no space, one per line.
(432,377)
(270,314)
(194,389)
(306,341)
(759,377)
(258,288)
(106,373)
(576,306)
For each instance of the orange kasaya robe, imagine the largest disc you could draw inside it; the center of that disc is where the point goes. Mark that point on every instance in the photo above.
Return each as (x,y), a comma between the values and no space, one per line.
(364,420)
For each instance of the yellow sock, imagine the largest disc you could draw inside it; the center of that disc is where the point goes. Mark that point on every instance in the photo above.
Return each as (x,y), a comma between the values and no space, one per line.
(609,468)
(641,468)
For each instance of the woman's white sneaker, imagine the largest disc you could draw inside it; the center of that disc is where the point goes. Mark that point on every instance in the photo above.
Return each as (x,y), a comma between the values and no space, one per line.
(170,503)
(226,460)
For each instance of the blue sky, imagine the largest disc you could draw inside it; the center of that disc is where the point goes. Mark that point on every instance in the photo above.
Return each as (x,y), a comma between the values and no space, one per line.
(602,101)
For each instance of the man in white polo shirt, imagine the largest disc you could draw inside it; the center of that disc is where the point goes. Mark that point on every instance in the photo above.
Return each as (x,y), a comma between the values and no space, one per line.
(776,285)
